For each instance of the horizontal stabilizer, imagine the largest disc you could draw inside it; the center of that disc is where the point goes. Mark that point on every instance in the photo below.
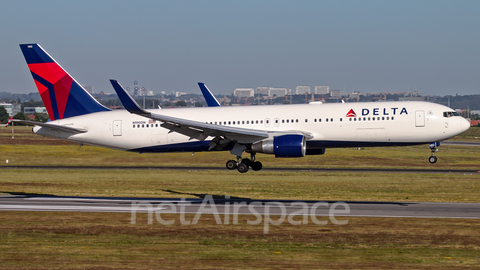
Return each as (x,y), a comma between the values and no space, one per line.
(52,126)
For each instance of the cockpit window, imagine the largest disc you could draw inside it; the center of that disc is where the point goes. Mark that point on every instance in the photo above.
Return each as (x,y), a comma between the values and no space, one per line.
(450,114)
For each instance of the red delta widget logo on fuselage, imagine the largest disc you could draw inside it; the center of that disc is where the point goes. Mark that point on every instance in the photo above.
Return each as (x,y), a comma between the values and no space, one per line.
(376,111)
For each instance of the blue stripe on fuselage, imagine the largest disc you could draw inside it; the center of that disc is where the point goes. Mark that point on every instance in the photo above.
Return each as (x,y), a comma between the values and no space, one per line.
(201,146)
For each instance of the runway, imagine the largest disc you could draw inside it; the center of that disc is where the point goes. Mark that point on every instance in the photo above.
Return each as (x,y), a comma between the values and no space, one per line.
(241,206)
(222,168)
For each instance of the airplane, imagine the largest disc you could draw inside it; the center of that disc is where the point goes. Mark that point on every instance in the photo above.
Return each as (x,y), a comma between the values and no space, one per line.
(286,131)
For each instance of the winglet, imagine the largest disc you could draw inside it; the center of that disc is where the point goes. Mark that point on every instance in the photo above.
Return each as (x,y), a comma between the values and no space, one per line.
(127,101)
(209,97)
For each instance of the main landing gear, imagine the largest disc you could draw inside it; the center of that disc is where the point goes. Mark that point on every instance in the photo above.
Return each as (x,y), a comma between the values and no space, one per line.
(242,165)
(432,159)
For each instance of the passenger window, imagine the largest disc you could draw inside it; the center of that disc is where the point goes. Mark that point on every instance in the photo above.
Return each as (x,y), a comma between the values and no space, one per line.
(326,120)
(315,120)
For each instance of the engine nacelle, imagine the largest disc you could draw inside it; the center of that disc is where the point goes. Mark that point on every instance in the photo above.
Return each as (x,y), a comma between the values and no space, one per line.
(282,146)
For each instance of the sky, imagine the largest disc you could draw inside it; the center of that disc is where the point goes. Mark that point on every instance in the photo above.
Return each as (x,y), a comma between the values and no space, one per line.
(432,47)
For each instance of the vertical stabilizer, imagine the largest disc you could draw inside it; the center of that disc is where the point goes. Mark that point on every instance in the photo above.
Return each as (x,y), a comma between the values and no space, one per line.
(61,94)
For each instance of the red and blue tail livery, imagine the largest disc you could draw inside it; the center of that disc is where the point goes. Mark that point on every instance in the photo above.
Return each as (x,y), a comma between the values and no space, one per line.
(61,94)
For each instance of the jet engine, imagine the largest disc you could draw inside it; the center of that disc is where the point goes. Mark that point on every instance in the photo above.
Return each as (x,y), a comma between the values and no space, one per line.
(282,146)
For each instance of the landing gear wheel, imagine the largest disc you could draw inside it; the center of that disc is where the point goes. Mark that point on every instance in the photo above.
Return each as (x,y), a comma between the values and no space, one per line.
(247,162)
(256,165)
(432,159)
(231,165)
(242,167)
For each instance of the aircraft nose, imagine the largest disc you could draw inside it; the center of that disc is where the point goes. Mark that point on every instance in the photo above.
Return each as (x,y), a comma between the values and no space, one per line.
(465,125)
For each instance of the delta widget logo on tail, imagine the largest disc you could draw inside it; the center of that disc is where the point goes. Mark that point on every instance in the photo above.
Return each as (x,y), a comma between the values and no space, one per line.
(351,113)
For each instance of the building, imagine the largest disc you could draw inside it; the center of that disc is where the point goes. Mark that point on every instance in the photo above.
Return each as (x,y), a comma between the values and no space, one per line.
(265,91)
(11,109)
(336,93)
(8,107)
(33,110)
(244,92)
(354,95)
(271,91)
(322,89)
(279,92)
(303,90)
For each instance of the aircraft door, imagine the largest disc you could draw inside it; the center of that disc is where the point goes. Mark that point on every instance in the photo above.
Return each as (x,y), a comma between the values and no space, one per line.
(419,118)
(117,127)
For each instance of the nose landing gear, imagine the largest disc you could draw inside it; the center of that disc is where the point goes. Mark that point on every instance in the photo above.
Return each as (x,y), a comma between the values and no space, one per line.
(433,159)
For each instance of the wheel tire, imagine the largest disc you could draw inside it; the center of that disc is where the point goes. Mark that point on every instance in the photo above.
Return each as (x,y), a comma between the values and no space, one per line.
(247,162)
(432,159)
(231,165)
(257,166)
(242,167)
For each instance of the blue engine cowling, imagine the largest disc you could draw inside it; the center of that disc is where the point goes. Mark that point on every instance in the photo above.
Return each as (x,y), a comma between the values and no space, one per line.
(282,146)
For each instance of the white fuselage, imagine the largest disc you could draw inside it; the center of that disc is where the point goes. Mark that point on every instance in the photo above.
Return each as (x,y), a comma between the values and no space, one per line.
(329,125)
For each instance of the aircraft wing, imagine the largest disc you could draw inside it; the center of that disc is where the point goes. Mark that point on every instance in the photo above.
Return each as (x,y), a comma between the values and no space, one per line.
(52,126)
(193,129)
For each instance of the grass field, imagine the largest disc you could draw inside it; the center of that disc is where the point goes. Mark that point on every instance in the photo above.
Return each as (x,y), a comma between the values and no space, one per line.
(303,185)
(30,149)
(69,240)
(56,240)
